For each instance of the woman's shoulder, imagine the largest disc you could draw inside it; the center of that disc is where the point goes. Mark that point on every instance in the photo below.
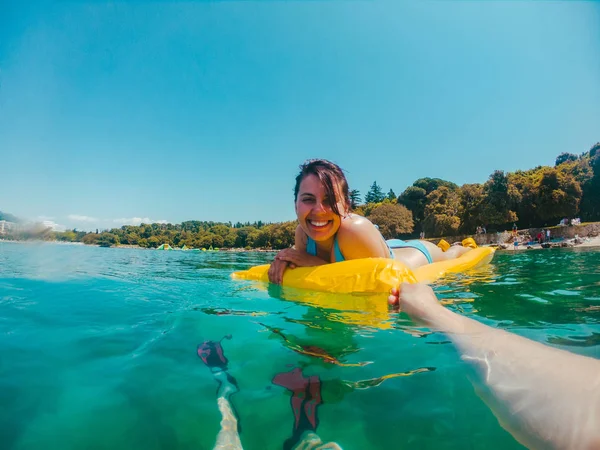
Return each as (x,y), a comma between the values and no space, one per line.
(359,238)
(356,226)
(356,223)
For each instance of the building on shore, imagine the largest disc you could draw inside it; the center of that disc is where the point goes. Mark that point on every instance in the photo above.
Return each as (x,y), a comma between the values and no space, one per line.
(6,227)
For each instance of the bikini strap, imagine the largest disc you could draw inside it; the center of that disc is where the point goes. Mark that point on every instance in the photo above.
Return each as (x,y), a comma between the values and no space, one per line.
(337,253)
(311,249)
(311,246)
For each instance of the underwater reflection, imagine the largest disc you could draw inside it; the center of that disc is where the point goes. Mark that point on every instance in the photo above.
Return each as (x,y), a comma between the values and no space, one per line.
(330,335)
(296,345)
(363,310)
(230,312)
(577,341)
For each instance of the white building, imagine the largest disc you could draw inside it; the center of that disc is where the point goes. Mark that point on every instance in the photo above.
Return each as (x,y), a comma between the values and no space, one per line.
(5,226)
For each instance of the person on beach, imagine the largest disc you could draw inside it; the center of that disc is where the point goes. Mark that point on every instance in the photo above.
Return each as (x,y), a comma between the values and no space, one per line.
(545,397)
(540,237)
(329,232)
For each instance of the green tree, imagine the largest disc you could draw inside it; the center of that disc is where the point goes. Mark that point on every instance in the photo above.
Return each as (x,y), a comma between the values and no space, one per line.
(91,239)
(590,202)
(581,169)
(264,237)
(391,196)
(472,200)
(431,184)
(375,194)
(207,240)
(132,238)
(525,185)
(392,220)
(65,236)
(414,198)
(145,231)
(154,242)
(230,239)
(500,200)
(442,212)
(565,157)
(242,236)
(218,241)
(108,239)
(252,238)
(220,229)
(283,234)
(355,198)
(558,195)
(367,208)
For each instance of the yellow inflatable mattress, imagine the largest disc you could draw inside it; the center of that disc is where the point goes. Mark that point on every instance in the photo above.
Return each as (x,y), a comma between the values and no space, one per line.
(369,275)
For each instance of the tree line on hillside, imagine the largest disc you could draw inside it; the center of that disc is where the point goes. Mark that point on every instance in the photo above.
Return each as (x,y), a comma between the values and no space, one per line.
(537,197)
(192,234)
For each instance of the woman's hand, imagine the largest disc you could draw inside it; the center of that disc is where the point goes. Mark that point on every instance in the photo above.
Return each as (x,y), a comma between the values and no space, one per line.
(299,258)
(291,258)
(276,270)
(417,300)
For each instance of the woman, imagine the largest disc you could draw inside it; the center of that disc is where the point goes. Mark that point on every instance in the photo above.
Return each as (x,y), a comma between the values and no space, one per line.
(328,232)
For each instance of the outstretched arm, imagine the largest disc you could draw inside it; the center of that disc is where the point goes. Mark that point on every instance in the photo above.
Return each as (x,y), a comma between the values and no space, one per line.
(545,397)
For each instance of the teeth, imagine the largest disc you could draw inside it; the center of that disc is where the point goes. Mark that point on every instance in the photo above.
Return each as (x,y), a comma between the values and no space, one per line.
(318,223)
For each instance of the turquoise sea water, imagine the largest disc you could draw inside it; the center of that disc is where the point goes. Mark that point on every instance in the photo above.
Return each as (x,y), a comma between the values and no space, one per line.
(98,350)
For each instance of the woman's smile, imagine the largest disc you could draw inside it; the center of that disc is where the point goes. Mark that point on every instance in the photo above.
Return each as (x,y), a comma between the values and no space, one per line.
(319,223)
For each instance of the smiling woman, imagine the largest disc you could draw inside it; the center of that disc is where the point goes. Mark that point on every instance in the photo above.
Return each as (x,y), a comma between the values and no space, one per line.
(329,232)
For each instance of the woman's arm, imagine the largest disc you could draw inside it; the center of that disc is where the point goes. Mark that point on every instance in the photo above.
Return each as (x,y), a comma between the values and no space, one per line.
(292,258)
(545,397)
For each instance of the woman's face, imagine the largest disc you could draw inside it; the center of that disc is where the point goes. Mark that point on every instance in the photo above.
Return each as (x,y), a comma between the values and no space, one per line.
(315,216)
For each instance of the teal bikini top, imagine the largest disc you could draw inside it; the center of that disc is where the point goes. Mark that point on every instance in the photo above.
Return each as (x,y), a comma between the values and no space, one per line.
(311,249)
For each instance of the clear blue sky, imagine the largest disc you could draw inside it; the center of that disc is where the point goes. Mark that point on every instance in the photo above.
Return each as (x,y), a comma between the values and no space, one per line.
(204,110)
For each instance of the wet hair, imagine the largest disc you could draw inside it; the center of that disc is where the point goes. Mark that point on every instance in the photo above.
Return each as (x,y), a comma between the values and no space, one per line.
(330,175)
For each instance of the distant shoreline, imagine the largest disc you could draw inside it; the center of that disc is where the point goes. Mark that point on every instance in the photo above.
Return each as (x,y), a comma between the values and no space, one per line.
(130,246)
(589,242)
(41,241)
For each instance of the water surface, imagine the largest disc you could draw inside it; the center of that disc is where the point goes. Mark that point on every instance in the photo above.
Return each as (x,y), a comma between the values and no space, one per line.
(98,349)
